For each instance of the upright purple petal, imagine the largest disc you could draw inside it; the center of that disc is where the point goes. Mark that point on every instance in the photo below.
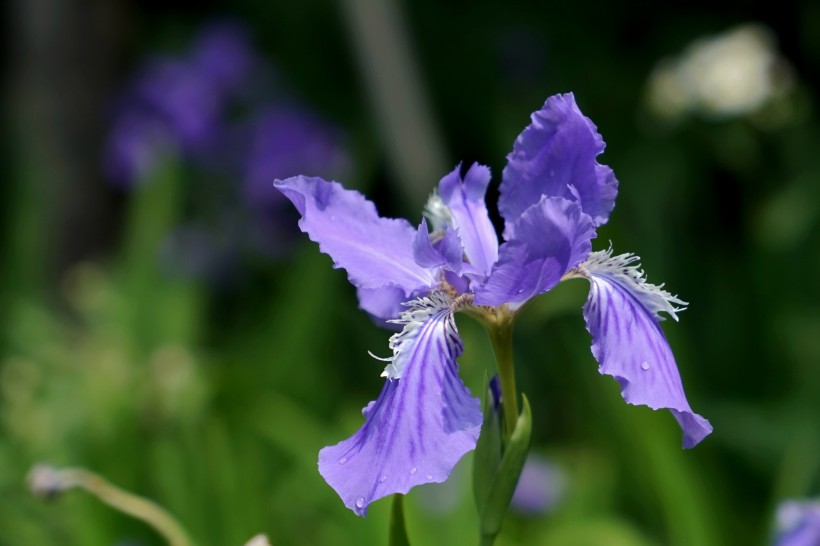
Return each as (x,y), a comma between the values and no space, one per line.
(375,251)
(551,237)
(421,424)
(621,314)
(447,252)
(557,150)
(470,218)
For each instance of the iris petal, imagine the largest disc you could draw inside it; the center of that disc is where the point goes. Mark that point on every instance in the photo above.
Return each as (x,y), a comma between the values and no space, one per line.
(418,428)
(447,252)
(627,341)
(383,303)
(468,211)
(375,251)
(557,150)
(551,237)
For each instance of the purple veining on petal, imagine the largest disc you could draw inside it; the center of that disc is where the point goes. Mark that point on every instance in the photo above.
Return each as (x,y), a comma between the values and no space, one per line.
(416,431)
(551,237)
(559,148)
(465,199)
(630,346)
(374,251)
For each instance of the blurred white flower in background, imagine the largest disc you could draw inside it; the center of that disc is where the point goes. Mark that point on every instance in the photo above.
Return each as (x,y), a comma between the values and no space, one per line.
(731,74)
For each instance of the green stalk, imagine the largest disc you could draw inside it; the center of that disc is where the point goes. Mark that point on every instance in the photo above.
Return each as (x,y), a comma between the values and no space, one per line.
(501,336)
(398,529)
(47,481)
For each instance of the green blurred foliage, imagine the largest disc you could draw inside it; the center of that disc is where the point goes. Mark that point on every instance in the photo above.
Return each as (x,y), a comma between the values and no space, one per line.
(215,403)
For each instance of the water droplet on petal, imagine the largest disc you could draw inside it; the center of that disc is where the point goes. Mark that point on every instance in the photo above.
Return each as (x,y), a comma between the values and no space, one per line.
(644,365)
(383,479)
(429,476)
(414,470)
(343,460)
(360,502)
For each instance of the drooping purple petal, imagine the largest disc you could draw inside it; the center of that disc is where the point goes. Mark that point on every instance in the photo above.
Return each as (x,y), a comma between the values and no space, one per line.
(468,211)
(551,237)
(421,424)
(446,252)
(627,341)
(375,251)
(558,149)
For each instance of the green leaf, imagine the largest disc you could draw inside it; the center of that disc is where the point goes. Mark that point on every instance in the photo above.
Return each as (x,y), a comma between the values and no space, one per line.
(398,532)
(509,470)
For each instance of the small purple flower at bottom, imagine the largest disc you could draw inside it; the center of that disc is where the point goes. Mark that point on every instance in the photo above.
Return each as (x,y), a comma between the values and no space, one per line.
(554,194)
(798,523)
(540,488)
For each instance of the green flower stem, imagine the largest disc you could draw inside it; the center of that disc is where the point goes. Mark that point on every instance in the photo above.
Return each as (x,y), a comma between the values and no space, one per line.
(48,481)
(398,529)
(501,335)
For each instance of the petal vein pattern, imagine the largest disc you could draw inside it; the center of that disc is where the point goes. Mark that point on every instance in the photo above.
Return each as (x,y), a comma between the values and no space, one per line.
(627,341)
(374,251)
(421,424)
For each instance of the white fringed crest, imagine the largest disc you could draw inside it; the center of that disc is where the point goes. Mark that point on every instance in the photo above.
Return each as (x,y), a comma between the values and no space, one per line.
(419,311)
(625,270)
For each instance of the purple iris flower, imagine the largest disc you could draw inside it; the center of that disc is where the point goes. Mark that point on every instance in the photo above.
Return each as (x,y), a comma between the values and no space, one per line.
(179,103)
(798,523)
(554,194)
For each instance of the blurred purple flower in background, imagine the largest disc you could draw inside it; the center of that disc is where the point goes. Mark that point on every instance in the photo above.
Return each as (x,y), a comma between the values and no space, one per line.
(216,108)
(135,145)
(223,55)
(188,95)
(798,523)
(284,141)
